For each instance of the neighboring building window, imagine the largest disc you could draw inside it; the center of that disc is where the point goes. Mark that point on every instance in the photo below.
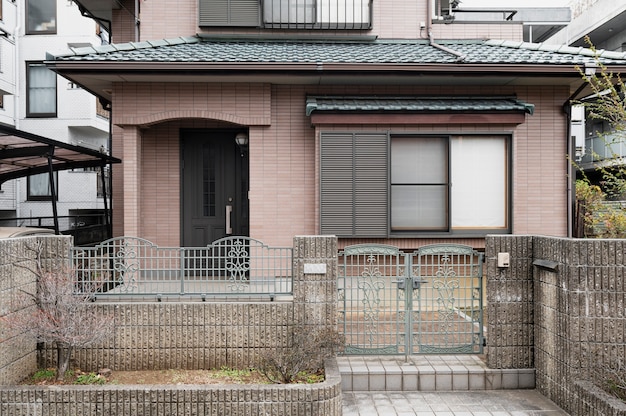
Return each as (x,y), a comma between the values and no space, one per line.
(374,185)
(287,14)
(1,101)
(39,187)
(41,16)
(41,84)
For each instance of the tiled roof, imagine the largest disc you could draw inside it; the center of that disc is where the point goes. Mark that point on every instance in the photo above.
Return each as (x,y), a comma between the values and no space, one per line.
(216,50)
(404,104)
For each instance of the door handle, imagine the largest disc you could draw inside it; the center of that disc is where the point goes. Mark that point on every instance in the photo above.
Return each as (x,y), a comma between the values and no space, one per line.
(229,227)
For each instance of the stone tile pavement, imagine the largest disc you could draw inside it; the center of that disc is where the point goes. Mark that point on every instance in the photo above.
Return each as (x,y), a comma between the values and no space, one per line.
(431,385)
(449,403)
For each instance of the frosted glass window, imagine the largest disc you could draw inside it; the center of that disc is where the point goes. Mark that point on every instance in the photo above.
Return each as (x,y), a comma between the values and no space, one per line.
(479,182)
(42,91)
(457,183)
(39,186)
(419,184)
(419,207)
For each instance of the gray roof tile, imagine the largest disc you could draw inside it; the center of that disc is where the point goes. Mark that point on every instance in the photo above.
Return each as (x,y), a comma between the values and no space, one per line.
(409,104)
(199,49)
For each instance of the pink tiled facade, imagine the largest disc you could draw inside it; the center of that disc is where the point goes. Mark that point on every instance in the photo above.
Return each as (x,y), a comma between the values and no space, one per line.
(398,19)
(284,185)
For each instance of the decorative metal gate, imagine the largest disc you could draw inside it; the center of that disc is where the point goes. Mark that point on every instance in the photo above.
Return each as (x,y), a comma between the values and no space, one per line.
(425,302)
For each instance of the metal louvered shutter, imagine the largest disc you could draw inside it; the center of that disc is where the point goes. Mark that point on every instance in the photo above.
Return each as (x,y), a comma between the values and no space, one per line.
(371,185)
(354,184)
(229,13)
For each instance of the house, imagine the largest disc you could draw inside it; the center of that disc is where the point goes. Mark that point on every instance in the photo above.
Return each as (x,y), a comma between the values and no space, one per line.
(36,101)
(381,122)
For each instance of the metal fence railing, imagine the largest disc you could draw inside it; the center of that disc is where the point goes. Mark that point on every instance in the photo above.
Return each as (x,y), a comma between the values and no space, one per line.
(127,267)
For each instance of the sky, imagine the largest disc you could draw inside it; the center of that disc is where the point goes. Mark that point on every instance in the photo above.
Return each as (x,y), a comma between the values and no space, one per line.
(514,3)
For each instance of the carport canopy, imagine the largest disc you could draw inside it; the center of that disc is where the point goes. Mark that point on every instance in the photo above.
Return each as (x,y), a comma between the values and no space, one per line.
(24,154)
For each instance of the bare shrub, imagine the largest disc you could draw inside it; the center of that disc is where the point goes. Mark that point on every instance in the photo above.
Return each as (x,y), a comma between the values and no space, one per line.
(306,353)
(60,311)
(615,380)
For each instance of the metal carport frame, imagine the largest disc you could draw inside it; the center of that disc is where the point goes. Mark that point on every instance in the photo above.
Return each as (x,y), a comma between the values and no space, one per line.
(24,154)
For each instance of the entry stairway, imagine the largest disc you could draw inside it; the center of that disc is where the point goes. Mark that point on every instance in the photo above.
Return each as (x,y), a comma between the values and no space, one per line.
(428,373)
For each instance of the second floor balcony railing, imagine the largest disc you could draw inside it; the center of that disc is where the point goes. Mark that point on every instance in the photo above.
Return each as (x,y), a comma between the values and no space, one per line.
(605,149)
(287,14)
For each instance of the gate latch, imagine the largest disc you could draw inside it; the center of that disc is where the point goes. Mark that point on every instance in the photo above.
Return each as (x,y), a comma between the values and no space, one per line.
(417,282)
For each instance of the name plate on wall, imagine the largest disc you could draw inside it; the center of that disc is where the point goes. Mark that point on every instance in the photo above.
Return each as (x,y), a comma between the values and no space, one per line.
(315,268)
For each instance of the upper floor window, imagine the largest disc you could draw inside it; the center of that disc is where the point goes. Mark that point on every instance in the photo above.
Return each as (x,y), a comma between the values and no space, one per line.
(41,16)
(41,87)
(287,14)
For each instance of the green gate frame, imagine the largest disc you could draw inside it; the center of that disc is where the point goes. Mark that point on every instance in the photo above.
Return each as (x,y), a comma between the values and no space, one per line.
(429,301)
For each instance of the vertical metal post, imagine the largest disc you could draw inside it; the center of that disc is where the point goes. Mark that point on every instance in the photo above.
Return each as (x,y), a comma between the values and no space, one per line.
(53,192)
(107,219)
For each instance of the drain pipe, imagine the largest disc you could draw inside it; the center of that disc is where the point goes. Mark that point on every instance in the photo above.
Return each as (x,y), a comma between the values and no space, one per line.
(431,40)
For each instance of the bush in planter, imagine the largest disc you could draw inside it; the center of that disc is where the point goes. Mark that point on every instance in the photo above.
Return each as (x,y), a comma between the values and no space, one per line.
(306,353)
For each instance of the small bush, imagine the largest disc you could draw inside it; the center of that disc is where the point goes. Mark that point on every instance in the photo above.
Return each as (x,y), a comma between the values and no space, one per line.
(303,359)
(90,378)
(44,374)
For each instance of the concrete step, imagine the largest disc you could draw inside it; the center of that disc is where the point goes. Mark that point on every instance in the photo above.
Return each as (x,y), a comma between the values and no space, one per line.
(428,373)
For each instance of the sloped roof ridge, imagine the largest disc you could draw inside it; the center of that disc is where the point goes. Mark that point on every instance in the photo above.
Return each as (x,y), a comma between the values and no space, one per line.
(121,47)
(565,49)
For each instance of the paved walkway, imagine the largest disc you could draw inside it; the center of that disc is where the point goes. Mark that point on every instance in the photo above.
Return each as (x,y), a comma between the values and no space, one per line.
(431,385)
(451,403)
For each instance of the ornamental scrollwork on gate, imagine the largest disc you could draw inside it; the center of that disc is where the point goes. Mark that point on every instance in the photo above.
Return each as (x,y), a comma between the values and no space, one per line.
(370,286)
(446,283)
(237,266)
(126,265)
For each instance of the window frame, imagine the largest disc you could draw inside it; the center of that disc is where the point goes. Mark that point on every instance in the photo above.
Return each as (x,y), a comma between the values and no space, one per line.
(29,112)
(48,197)
(31,31)
(450,230)
(255,13)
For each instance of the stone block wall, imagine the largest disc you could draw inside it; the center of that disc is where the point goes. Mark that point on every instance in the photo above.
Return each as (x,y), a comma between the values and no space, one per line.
(318,399)
(184,335)
(580,317)
(509,303)
(567,298)
(18,352)
(192,335)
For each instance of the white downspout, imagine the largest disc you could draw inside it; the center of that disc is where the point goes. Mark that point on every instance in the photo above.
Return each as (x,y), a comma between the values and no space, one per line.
(16,95)
(429,22)
(136,15)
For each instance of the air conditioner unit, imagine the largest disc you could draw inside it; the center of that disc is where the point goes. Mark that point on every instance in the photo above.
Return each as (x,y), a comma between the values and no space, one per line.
(445,8)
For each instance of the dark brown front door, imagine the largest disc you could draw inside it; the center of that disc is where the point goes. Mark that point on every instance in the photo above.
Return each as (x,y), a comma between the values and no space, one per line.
(215,187)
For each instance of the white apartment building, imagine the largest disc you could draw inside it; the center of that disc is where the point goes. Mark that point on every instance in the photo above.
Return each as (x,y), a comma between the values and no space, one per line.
(603,22)
(35,100)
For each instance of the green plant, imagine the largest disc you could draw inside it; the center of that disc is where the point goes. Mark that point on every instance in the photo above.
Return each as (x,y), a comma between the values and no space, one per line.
(305,354)
(607,106)
(90,378)
(43,374)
